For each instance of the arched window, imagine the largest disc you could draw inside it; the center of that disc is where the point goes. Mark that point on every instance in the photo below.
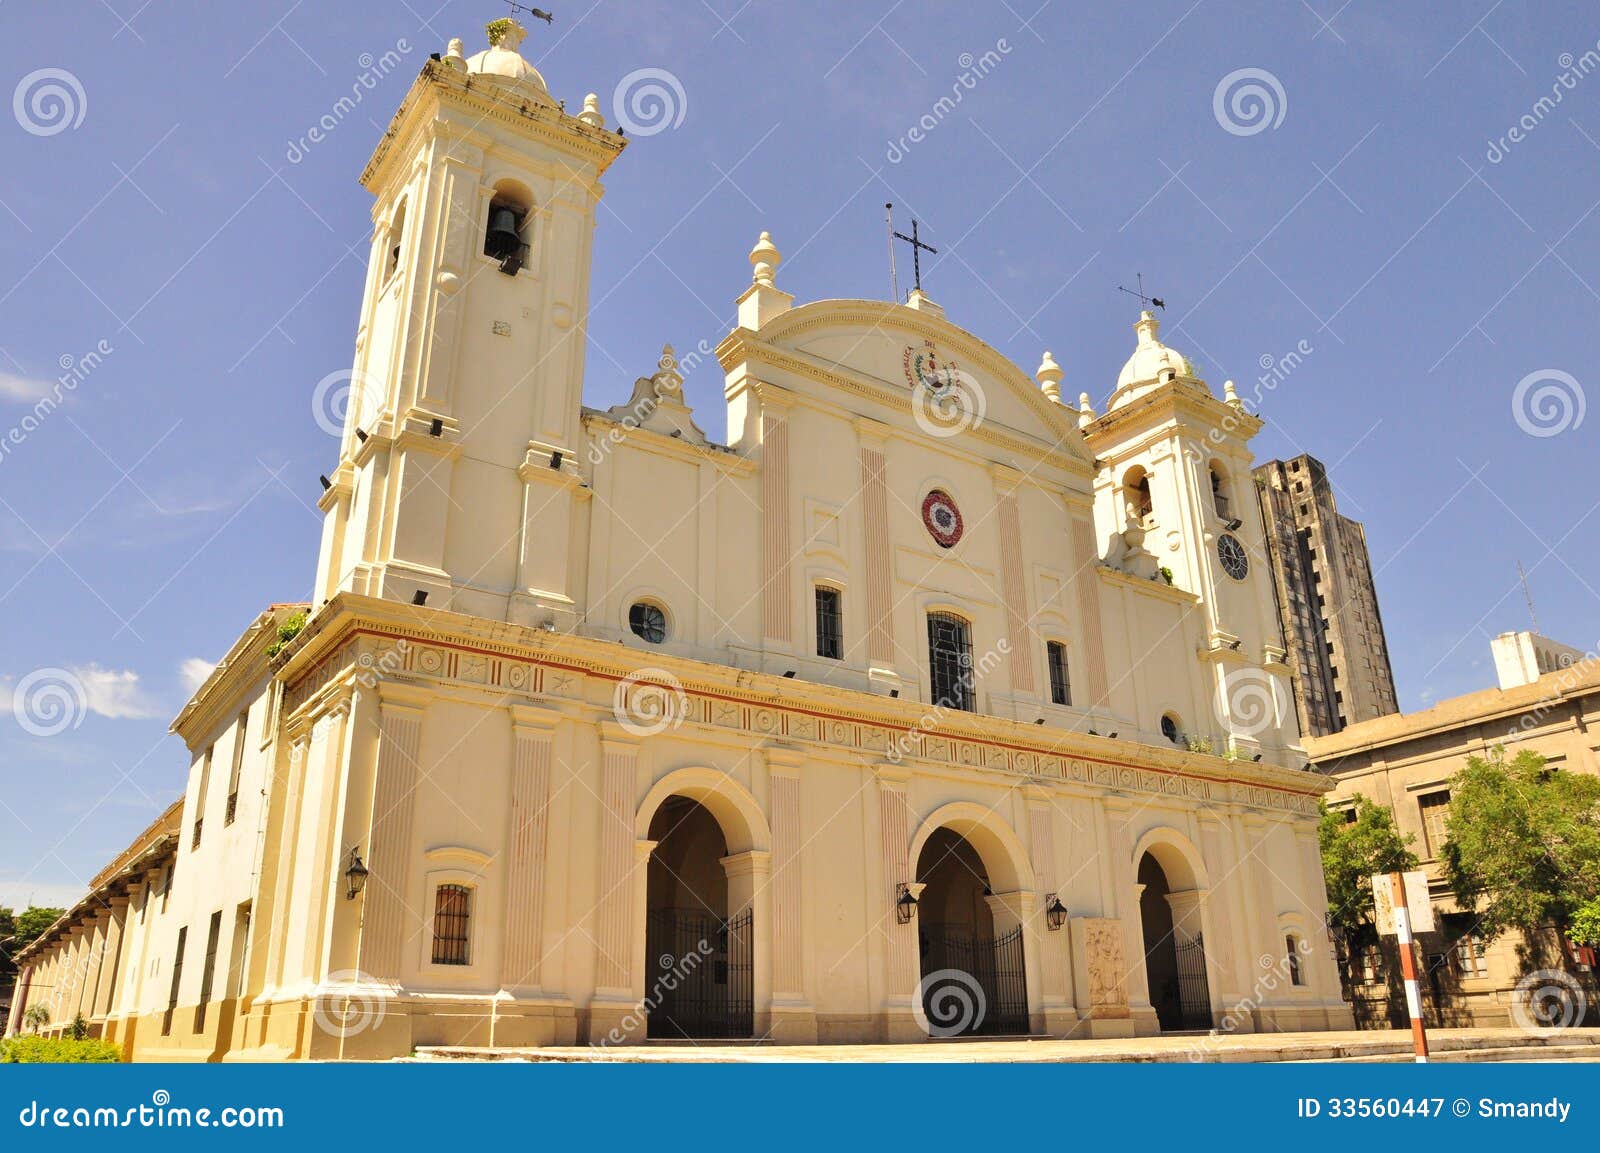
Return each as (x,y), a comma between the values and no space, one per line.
(1221,492)
(1291,945)
(950,669)
(1171,729)
(392,242)
(452,925)
(1136,493)
(505,236)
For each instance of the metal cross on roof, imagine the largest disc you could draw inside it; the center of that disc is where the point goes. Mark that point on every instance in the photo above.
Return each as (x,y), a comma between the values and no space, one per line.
(918,247)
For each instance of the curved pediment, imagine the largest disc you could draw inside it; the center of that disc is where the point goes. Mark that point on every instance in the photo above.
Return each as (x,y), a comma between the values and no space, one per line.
(913,357)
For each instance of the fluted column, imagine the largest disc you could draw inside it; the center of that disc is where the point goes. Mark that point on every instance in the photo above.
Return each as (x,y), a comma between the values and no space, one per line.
(614,914)
(533,732)
(387,915)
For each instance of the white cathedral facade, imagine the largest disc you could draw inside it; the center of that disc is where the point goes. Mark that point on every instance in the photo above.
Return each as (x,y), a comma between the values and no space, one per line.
(927,705)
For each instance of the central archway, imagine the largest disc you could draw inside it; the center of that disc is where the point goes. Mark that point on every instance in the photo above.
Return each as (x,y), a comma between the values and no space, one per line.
(699,951)
(970,941)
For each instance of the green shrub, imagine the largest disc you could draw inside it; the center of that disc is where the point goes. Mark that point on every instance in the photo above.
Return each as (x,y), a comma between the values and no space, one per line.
(56,1051)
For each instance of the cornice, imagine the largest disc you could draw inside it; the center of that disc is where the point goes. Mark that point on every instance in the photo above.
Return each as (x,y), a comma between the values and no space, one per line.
(527,664)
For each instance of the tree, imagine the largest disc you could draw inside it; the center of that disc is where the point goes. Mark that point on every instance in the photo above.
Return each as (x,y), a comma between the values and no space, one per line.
(1523,848)
(36,1017)
(1352,851)
(35,920)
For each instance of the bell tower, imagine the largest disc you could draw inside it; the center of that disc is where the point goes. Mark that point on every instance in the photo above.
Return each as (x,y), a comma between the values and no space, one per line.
(1176,500)
(457,484)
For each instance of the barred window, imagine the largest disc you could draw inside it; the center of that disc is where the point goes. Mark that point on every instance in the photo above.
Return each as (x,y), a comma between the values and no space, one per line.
(452,924)
(830,624)
(1470,956)
(1060,685)
(950,662)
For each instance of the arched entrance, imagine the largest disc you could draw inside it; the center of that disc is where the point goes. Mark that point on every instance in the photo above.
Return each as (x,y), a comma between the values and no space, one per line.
(1174,950)
(970,942)
(699,953)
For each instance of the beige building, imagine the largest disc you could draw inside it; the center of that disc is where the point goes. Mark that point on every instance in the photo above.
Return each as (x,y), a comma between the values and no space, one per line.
(928,704)
(1327,601)
(1406,762)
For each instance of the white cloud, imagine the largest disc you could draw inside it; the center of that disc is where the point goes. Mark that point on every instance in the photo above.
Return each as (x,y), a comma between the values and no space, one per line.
(21,388)
(115,695)
(193,673)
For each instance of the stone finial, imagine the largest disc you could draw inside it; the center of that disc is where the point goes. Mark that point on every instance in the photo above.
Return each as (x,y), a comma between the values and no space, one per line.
(1230,395)
(668,380)
(591,114)
(764,259)
(1085,410)
(455,55)
(1147,327)
(1049,376)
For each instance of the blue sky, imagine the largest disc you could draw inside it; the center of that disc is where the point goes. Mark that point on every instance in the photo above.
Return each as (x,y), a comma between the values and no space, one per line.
(157,212)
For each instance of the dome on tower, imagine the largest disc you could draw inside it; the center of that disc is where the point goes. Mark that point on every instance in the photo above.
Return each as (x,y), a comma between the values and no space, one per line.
(1149,365)
(502,60)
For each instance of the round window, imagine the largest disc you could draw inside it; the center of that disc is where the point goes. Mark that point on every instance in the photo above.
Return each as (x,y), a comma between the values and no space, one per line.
(942,518)
(648,622)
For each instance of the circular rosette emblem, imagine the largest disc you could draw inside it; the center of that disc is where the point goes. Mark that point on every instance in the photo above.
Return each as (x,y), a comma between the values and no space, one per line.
(942,518)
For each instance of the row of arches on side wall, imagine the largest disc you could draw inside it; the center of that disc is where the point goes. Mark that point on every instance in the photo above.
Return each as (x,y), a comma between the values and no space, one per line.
(971,882)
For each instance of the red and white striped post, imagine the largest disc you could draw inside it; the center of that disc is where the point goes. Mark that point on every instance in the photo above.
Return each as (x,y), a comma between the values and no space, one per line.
(1408,967)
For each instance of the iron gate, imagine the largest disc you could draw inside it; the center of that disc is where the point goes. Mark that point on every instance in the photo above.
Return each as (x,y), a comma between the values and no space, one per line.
(701,978)
(974,986)
(1194,991)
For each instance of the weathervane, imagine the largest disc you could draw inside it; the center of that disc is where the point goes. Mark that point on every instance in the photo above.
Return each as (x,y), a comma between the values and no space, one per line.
(1148,301)
(918,247)
(536,13)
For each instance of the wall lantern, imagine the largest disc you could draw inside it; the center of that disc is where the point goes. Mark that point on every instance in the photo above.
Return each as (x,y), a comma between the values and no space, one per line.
(355,875)
(1055,913)
(905,904)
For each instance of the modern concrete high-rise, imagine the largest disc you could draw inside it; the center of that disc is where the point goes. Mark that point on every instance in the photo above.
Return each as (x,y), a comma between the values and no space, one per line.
(1327,602)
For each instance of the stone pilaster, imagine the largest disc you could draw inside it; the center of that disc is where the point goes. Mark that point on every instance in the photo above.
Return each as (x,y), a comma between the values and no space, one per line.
(533,731)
